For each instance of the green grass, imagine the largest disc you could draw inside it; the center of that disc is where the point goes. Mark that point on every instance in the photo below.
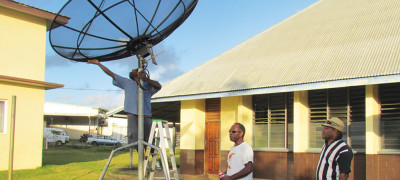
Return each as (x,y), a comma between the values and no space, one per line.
(79,162)
(67,154)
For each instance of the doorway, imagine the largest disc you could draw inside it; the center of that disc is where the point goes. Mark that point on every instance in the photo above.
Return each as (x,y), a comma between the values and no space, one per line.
(213,120)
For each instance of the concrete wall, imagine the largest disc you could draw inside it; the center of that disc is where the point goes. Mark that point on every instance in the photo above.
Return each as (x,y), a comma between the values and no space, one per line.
(192,136)
(22,45)
(299,164)
(28,127)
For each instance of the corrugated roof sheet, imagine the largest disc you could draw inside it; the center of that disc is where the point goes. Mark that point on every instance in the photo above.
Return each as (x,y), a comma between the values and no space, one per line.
(330,40)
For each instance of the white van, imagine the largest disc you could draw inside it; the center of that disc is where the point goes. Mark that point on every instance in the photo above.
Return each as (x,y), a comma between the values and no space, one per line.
(55,135)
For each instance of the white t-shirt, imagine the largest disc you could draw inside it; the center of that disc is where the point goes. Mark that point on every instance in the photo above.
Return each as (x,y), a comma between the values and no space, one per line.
(237,157)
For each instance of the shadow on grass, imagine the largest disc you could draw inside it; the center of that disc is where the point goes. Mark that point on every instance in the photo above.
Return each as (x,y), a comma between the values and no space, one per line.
(72,153)
(72,161)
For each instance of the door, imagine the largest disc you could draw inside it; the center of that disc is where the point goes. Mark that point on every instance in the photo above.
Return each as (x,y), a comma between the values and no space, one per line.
(213,119)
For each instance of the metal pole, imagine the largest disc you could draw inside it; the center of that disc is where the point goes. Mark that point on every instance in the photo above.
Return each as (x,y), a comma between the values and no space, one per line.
(140,123)
(89,126)
(12,134)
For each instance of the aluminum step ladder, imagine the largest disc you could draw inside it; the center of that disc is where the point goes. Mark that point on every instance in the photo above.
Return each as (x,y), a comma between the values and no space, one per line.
(161,136)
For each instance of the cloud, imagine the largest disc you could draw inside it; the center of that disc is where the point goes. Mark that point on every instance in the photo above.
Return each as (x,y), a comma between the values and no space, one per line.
(57,61)
(166,70)
(168,65)
(104,100)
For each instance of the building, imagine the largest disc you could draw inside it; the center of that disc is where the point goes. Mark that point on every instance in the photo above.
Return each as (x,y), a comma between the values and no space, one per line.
(22,58)
(75,120)
(334,58)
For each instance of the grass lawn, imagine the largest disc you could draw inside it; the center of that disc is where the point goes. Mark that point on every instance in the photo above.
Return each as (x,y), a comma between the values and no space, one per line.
(79,162)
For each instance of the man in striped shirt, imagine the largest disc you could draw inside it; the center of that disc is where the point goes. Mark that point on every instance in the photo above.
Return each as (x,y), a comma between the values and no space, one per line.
(336,155)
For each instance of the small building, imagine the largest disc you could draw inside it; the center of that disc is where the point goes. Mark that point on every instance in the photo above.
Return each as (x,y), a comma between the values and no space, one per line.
(22,71)
(335,58)
(75,120)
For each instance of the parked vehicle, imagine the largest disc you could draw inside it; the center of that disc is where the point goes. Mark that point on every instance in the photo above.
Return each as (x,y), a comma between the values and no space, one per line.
(104,140)
(56,135)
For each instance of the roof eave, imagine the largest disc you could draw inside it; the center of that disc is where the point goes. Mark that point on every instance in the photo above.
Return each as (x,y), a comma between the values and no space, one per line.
(289,88)
(48,16)
(30,82)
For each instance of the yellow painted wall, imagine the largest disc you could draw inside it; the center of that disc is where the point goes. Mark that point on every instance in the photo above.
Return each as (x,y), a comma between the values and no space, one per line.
(301,122)
(193,124)
(28,127)
(236,109)
(22,45)
(372,116)
(22,55)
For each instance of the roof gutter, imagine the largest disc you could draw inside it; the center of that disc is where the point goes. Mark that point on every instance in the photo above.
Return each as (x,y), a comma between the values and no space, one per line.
(29,82)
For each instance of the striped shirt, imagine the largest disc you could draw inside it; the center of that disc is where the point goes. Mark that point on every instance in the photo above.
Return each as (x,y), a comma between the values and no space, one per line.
(334,159)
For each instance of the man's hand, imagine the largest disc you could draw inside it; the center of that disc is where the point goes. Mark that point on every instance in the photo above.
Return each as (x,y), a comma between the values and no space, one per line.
(143,76)
(93,61)
(105,69)
(344,176)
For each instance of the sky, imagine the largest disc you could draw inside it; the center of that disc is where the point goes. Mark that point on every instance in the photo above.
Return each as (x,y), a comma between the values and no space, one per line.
(214,27)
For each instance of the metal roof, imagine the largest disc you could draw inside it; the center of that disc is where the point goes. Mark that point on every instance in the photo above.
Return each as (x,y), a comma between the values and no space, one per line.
(331,40)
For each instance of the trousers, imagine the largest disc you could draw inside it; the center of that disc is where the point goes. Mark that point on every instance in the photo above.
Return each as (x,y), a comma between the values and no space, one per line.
(133,134)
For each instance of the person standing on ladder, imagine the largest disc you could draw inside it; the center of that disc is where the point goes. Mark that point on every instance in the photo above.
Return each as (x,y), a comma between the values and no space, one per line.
(130,87)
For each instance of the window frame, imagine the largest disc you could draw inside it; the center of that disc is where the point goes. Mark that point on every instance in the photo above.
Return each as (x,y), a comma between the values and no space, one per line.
(288,96)
(350,105)
(4,120)
(382,108)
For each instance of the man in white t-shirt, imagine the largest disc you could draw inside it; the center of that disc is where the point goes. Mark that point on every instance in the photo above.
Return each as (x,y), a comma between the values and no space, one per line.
(240,157)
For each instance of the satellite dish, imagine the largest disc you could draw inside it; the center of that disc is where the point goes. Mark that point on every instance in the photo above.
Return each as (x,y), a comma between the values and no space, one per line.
(113,29)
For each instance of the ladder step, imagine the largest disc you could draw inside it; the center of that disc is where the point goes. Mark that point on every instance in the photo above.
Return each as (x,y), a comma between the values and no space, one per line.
(163,131)
(166,137)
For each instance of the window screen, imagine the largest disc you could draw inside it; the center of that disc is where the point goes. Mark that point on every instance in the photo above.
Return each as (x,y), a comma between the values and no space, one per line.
(390,115)
(346,103)
(273,116)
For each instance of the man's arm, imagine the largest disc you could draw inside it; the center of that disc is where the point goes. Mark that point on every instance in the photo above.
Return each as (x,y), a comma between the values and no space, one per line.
(105,69)
(153,83)
(344,163)
(248,168)
(344,176)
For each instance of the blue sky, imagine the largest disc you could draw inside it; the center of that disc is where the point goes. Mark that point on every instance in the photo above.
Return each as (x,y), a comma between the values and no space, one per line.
(214,27)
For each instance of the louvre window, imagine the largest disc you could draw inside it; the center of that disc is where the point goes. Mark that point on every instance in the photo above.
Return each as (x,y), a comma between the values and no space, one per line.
(2,116)
(318,104)
(390,115)
(273,116)
(357,118)
(346,103)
